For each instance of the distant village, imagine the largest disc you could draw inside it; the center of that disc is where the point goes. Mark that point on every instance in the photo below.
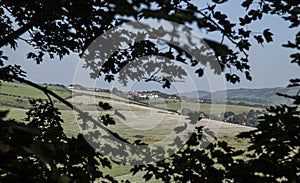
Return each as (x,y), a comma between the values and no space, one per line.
(247,118)
(143,95)
(129,94)
(137,95)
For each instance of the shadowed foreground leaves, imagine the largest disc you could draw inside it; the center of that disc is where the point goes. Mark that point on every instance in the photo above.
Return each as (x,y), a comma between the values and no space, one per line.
(39,151)
(194,162)
(274,147)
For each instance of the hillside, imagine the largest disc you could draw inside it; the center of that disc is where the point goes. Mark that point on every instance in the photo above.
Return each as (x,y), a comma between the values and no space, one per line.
(263,96)
(17,95)
(151,125)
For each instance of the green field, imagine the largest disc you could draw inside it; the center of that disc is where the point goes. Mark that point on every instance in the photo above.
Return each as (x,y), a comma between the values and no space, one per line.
(145,123)
(207,108)
(17,95)
(26,91)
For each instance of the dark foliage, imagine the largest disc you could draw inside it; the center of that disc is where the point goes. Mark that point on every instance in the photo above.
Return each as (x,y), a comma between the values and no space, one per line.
(38,150)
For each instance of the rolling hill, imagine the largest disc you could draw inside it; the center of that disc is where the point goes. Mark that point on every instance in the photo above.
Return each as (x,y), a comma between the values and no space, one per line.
(263,96)
(17,95)
(151,125)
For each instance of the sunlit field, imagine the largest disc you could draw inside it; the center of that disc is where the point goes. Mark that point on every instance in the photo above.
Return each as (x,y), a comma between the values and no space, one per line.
(139,122)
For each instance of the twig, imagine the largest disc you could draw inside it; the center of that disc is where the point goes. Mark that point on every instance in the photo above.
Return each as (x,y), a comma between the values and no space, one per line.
(49,92)
(16,34)
(51,102)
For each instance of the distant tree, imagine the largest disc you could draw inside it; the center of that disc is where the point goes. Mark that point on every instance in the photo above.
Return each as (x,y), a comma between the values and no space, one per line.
(228,113)
(136,98)
(114,90)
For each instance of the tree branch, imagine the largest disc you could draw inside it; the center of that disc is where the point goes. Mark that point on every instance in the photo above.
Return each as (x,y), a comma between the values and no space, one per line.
(287,96)
(16,34)
(81,113)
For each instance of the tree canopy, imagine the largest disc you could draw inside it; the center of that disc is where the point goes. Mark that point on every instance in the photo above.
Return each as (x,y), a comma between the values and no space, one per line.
(39,150)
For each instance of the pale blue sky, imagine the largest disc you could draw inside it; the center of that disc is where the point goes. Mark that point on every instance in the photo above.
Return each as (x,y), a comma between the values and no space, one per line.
(270,65)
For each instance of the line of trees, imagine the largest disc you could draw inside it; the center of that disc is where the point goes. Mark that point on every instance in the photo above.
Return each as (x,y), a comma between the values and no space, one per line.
(250,118)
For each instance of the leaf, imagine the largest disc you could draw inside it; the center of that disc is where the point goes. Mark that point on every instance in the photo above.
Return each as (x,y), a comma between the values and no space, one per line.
(218,15)
(105,106)
(233,78)
(194,63)
(199,72)
(247,3)
(219,1)
(295,58)
(109,78)
(245,20)
(107,120)
(147,176)
(244,44)
(268,35)
(244,33)
(139,142)
(255,14)
(219,49)
(259,39)
(248,76)
(167,83)
(266,8)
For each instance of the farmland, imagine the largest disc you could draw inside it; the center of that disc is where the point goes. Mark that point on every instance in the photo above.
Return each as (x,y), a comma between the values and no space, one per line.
(207,108)
(149,124)
(15,96)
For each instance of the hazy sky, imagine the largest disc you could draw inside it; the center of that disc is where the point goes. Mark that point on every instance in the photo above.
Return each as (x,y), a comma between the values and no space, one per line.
(270,65)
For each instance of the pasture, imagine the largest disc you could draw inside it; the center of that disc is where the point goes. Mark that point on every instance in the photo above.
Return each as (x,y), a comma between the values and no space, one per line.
(207,108)
(151,125)
(26,91)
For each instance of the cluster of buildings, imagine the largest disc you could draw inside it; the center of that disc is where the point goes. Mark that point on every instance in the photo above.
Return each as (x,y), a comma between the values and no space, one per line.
(140,95)
(143,95)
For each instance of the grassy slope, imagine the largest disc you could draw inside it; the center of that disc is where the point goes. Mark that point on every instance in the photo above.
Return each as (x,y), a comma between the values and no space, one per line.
(17,95)
(88,103)
(225,132)
(204,107)
(23,90)
(265,96)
